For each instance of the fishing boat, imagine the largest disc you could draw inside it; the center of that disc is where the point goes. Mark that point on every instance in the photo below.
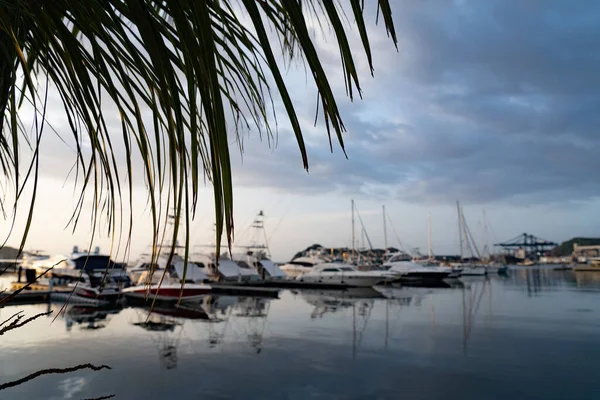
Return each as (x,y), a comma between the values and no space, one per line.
(224,269)
(256,254)
(344,275)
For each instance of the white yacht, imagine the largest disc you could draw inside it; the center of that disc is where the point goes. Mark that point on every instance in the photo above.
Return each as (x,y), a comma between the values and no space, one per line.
(409,270)
(225,270)
(91,274)
(344,275)
(256,255)
(260,261)
(303,264)
(149,270)
(167,282)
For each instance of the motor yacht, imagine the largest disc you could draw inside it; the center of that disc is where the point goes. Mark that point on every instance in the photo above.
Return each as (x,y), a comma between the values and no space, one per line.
(303,264)
(170,282)
(225,270)
(408,270)
(344,275)
(259,260)
(91,275)
(256,254)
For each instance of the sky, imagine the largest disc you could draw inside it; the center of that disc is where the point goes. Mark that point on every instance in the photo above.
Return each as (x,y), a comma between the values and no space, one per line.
(491,103)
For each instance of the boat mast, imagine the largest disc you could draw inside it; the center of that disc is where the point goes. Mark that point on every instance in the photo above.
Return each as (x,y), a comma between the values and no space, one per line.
(429,235)
(486,247)
(352,204)
(385,242)
(460,237)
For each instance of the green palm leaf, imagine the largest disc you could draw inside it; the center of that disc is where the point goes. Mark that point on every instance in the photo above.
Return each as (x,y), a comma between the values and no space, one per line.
(197,66)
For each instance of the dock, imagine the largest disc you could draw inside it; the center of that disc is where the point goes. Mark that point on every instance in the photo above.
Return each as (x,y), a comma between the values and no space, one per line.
(38,293)
(28,297)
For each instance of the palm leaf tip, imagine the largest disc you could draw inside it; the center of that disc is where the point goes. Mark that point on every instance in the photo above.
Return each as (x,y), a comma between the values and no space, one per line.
(188,63)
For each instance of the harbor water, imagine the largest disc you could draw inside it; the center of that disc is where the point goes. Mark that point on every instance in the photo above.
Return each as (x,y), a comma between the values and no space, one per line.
(533,334)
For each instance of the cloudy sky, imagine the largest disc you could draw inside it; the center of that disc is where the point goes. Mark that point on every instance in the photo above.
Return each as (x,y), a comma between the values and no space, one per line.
(491,103)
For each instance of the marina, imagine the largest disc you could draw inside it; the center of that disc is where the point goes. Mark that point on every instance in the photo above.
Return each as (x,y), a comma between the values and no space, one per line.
(299,200)
(534,328)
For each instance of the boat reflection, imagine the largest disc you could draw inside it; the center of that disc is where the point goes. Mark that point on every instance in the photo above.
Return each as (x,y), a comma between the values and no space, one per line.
(88,318)
(587,279)
(332,301)
(212,320)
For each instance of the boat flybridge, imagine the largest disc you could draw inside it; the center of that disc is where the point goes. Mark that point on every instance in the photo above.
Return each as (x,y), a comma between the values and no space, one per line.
(92,275)
(257,258)
(225,269)
(256,254)
(345,275)
(304,264)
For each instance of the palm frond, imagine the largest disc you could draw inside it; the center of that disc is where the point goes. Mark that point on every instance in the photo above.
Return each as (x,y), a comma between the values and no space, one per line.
(197,67)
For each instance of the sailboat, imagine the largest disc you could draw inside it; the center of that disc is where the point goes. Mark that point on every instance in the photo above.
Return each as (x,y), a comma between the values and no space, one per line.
(466,239)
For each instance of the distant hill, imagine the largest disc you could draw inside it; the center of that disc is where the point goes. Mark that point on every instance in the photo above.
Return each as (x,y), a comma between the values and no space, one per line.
(340,251)
(566,248)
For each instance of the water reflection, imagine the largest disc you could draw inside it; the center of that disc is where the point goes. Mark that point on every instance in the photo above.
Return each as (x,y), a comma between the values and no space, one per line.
(527,328)
(88,318)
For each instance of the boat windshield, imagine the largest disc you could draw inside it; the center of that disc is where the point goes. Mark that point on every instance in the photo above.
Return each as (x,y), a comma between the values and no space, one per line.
(400,257)
(94,263)
(243,264)
(346,269)
(302,263)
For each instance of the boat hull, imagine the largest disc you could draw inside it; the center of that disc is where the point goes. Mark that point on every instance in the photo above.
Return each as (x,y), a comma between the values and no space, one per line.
(349,281)
(474,271)
(294,271)
(425,275)
(167,292)
(93,293)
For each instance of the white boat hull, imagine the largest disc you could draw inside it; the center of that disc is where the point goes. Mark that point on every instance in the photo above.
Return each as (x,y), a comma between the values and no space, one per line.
(295,270)
(167,292)
(349,280)
(478,270)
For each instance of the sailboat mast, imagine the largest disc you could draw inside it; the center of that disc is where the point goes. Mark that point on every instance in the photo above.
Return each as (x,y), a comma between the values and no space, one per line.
(429,235)
(352,204)
(385,242)
(486,247)
(460,233)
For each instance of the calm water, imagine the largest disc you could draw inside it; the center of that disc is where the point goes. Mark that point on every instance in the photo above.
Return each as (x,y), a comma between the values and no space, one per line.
(534,334)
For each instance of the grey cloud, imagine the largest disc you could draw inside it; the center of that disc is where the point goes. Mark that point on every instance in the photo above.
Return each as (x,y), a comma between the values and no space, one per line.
(485,101)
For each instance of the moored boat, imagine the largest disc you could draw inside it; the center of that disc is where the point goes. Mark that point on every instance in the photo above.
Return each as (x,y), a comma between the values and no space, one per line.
(408,270)
(169,284)
(302,265)
(344,275)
